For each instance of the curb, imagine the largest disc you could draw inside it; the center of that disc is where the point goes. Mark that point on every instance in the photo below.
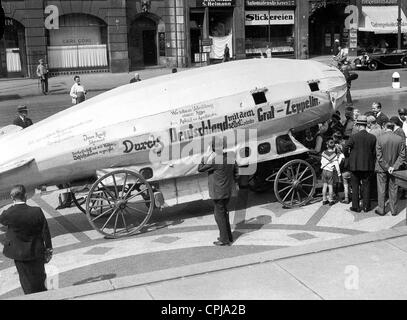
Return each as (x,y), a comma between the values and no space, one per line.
(376,92)
(112,285)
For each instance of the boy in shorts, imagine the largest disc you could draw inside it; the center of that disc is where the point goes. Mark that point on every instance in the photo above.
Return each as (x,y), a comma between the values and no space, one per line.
(329,163)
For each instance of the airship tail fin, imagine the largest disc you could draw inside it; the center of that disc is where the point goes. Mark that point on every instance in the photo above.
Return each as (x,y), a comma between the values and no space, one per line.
(15,165)
(4,131)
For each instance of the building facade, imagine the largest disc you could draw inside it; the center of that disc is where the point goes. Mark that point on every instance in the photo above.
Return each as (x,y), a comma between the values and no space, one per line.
(126,35)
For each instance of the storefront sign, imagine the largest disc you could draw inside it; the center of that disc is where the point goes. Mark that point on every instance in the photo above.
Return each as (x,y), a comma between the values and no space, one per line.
(215,3)
(378,2)
(256,18)
(270,3)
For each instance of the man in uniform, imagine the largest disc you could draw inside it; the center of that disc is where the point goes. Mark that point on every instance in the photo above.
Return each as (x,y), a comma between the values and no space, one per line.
(42,73)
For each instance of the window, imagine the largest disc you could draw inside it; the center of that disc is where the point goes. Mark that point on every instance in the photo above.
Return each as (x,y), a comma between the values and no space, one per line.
(244,152)
(264,148)
(313,86)
(285,144)
(259,97)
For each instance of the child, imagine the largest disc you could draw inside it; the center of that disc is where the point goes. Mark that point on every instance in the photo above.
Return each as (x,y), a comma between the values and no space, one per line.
(343,165)
(329,163)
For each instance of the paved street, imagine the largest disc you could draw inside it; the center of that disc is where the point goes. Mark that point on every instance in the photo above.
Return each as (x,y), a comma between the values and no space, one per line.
(183,235)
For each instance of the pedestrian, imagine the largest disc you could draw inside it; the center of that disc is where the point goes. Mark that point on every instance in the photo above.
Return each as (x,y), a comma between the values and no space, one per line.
(78,91)
(304,52)
(28,241)
(336,47)
(373,127)
(398,127)
(222,175)
(136,78)
(403,118)
(268,52)
(335,125)
(226,53)
(22,120)
(391,153)
(361,148)
(349,77)
(42,73)
(329,164)
(348,123)
(381,118)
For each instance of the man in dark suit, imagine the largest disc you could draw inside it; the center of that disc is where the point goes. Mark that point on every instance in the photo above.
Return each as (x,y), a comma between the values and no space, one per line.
(28,241)
(360,149)
(222,175)
(381,118)
(22,120)
(390,155)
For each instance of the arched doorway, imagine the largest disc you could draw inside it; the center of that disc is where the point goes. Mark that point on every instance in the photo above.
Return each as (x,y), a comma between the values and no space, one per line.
(143,42)
(15,62)
(327,23)
(80,43)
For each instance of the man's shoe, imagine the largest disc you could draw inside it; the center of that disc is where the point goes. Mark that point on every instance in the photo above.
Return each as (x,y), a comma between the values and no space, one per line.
(331,203)
(379,213)
(324,203)
(394,214)
(367,209)
(345,201)
(220,243)
(354,209)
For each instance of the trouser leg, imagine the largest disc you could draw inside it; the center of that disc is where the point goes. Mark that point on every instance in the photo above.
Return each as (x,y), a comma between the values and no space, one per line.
(355,189)
(228,228)
(381,190)
(32,275)
(393,190)
(220,218)
(366,189)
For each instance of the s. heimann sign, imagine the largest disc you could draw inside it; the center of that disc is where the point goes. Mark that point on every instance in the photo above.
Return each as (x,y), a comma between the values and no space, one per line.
(256,18)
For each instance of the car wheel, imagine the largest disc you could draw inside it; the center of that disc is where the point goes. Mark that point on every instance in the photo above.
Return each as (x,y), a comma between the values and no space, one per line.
(404,62)
(372,65)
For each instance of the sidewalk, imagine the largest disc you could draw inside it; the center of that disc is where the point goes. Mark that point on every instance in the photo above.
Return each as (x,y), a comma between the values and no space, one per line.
(368,266)
(11,89)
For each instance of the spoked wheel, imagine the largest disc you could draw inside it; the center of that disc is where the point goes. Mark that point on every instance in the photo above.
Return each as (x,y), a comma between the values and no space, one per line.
(79,199)
(404,62)
(295,183)
(372,65)
(119,203)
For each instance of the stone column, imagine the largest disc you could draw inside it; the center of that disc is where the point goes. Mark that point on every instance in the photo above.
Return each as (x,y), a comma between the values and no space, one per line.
(117,36)
(239,29)
(301,28)
(35,41)
(175,33)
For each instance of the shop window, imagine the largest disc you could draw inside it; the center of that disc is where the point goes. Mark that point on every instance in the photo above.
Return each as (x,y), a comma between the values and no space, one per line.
(285,144)
(147,173)
(259,97)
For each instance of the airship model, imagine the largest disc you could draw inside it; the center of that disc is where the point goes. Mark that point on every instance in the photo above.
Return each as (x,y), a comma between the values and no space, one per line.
(137,147)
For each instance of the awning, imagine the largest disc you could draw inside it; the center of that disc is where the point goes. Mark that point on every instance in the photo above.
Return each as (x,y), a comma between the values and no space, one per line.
(382,19)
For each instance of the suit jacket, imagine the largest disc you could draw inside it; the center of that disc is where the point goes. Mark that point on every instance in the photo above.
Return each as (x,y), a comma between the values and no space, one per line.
(390,151)
(24,124)
(381,119)
(27,234)
(221,177)
(361,150)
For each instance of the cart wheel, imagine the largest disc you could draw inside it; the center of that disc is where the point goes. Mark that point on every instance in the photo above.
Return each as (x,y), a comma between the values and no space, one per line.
(79,199)
(372,65)
(404,62)
(119,203)
(295,183)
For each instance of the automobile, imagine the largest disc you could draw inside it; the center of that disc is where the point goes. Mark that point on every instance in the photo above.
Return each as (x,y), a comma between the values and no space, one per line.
(372,59)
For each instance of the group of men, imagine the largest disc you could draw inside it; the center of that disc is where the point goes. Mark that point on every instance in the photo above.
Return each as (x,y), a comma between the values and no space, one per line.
(376,144)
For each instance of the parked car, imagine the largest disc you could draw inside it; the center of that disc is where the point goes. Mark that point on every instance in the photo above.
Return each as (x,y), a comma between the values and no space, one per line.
(383,58)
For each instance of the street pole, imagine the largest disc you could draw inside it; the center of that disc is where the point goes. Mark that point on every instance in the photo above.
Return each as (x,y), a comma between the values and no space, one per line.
(399,26)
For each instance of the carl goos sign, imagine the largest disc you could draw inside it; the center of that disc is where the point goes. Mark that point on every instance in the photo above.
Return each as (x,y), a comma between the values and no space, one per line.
(256,18)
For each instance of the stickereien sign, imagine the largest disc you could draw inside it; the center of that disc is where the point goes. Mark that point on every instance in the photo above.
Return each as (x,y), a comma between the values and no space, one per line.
(270,3)
(275,17)
(379,2)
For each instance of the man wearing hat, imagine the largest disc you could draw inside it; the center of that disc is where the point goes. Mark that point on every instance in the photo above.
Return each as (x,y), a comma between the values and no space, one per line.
(42,73)
(361,150)
(373,127)
(22,120)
